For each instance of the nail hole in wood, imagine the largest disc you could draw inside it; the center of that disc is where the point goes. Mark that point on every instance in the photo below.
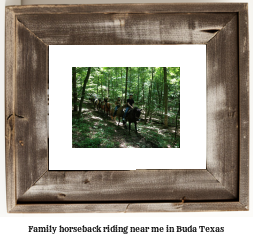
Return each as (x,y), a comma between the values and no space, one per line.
(61,195)
(86,181)
(183,199)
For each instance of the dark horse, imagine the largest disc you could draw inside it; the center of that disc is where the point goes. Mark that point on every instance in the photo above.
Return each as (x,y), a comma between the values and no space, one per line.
(133,116)
(96,103)
(92,98)
(99,104)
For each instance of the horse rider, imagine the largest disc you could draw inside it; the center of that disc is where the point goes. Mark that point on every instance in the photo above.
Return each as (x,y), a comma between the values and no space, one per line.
(130,103)
(106,100)
(118,104)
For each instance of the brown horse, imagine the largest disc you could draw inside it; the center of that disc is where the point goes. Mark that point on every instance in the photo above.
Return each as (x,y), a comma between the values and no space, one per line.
(107,108)
(111,114)
(120,112)
(99,104)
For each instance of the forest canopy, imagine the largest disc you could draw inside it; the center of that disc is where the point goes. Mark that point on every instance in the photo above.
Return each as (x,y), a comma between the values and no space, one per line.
(155,90)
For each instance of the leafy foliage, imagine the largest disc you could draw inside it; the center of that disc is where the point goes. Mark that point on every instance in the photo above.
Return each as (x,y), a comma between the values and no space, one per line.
(147,86)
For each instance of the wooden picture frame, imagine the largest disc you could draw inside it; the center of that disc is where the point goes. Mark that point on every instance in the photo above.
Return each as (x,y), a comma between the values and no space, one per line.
(222,186)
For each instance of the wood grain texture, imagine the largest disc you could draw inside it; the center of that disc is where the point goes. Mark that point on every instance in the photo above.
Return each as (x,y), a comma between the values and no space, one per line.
(9,108)
(244,106)
(222,107)
(129,207)
(139,185)
(30,109)
(118,29)
(129,8)
(223,186)
(186,207)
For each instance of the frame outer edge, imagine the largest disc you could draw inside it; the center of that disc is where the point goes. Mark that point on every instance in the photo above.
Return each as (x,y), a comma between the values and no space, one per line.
(10,70)
(244,106)
(12,206)
(128,207)
(154,8)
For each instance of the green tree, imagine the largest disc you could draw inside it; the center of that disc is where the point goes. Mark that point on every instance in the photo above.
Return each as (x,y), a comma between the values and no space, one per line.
(126,84)
(74,90)
(83,91)
(165,97)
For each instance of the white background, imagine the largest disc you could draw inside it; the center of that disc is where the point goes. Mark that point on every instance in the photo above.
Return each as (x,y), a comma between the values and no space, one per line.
(237,224)
(192,62)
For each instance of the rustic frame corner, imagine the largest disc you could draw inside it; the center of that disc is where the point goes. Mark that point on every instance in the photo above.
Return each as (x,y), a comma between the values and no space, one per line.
(223,186)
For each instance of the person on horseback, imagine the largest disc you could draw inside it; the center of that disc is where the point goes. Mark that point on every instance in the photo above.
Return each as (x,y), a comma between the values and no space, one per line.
(118,104)
(105,101)
(107,105)
(130,103)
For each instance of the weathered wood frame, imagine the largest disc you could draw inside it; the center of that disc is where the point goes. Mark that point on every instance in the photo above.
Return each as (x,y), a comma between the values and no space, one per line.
(223,186)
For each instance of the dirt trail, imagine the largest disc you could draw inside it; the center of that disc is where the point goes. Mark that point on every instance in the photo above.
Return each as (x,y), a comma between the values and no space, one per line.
(121,134)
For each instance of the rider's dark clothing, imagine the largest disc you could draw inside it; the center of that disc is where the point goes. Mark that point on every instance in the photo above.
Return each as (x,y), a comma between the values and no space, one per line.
(131,102)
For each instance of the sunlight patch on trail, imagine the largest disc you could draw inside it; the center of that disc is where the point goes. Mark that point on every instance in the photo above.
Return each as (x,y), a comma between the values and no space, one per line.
(97,118)
(122,145)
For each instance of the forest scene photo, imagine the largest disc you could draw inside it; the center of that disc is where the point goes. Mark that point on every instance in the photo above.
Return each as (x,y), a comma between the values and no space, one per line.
(125,107)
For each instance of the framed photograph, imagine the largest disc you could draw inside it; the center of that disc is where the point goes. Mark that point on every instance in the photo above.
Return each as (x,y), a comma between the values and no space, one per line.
(96,134)
(32,32)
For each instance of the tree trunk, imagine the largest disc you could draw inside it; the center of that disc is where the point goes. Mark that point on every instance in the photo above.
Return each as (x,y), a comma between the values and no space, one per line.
(150,101)
(102,87)
(83,91)
(126,84)
(165,97)
(130,86)
(122,84)
(112,85)
(148,105)
(158,94)
(74,88)
(150,95)
(143,89)
(97,85)
(108,81)
(177,119)
(116,83)
(138,85)
(162,101)
(158,90)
